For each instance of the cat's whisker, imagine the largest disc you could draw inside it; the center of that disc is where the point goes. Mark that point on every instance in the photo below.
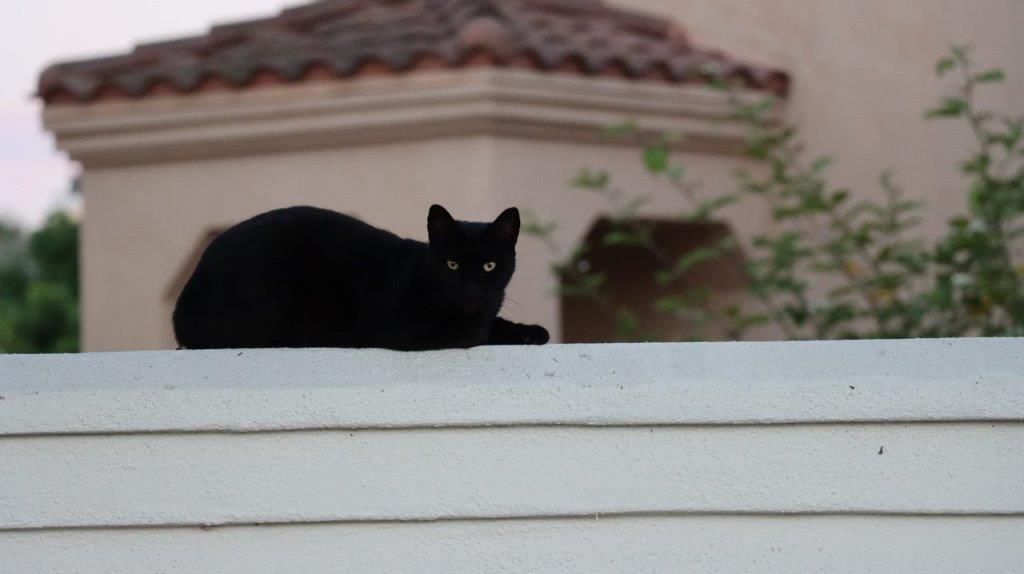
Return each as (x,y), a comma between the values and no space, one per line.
(516,311)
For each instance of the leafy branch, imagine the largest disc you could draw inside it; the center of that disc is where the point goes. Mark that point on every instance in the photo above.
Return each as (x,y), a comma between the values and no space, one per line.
(833,264)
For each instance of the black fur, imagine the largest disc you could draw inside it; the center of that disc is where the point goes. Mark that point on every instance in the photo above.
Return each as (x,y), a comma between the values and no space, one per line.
(310,277)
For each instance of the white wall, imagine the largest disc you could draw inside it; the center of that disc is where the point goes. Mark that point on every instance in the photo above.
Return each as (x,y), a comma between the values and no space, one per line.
(785,457)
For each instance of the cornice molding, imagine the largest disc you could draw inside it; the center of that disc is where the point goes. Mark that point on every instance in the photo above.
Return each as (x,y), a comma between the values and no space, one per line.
(480,102)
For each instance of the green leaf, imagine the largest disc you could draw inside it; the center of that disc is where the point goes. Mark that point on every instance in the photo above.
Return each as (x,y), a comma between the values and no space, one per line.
(798,315)
(624,237)
(584,286)
(627,324)
(591,180)
(944,65)
(656,159)
(754,113)
(632,207)
(962,52)
(670,304)
(990,76)
(978,164)
(709,207)
(839,313)
(686,262)
(726,244)
(718,83)
(949,107)
(1011,137)
(820,164)
(625,128)
(535,228)
(781,213)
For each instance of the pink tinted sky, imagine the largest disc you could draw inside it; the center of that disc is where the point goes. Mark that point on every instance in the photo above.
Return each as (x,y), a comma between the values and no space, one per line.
(34,177)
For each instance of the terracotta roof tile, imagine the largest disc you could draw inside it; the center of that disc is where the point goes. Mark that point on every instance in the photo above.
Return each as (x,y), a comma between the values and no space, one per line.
(344,38)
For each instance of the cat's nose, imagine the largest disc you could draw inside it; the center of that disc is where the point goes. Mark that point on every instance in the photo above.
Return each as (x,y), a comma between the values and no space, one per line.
(472,301)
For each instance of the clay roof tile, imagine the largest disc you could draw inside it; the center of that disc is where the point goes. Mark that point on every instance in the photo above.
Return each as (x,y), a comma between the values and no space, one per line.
(347,37)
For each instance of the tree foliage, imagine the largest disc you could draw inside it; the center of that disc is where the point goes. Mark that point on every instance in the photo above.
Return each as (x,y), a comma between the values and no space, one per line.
(39,287)
(832,266)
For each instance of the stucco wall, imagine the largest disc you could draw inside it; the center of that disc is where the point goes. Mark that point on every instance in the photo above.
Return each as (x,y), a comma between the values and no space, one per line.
(781,457)
(864,73)
(141,223)
(162,172)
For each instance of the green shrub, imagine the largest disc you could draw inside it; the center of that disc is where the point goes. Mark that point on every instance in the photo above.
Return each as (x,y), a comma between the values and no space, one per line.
(833,266)
(39,287)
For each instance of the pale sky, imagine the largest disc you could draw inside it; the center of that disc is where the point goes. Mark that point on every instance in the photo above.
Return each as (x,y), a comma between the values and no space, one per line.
(34,177)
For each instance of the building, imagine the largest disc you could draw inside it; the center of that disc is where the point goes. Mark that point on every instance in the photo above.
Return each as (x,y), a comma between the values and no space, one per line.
(380,108)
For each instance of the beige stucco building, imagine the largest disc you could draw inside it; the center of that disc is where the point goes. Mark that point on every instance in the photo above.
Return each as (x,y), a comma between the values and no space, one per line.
(381,108)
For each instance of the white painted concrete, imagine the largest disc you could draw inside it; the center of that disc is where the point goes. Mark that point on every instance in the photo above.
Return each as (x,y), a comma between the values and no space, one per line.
(511,472)
(778,457)
(727,544)
(704,383)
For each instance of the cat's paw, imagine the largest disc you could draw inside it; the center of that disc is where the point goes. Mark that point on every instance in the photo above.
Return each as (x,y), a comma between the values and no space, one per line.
(534,335)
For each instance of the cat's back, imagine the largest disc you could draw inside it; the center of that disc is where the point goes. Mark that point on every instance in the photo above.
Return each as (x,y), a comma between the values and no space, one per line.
(268,275)
(304,224)
(303,233)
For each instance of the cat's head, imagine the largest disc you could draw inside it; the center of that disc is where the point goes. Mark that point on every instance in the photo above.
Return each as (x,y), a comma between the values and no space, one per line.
(471,263)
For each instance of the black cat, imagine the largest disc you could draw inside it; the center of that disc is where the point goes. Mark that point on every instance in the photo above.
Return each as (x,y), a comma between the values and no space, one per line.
(310,277)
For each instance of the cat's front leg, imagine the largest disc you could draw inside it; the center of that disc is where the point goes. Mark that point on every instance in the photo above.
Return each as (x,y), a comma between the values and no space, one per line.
(508,333)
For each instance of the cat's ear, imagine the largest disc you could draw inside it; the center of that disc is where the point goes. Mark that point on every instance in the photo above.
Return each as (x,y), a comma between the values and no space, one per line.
(506,226)
(439,222)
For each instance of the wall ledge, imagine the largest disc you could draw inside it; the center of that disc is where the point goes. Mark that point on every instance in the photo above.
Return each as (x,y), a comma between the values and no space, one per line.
(560,385)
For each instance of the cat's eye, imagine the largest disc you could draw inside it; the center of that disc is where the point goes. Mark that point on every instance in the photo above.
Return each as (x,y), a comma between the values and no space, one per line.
(490,266)
(453,265)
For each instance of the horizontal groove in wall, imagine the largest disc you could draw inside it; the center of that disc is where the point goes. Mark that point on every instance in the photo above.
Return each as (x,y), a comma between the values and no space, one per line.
(523,425)
(924,515)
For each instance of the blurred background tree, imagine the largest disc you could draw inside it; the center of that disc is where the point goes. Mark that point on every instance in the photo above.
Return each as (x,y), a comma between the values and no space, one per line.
(39,287)
(830,266)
